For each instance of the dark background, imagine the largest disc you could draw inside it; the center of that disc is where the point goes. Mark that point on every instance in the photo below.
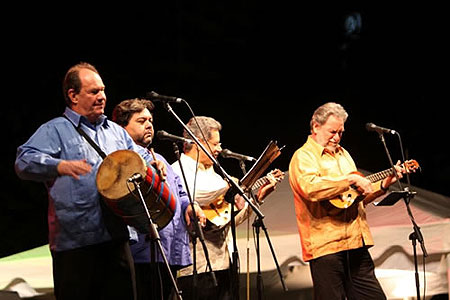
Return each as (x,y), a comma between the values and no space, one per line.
(260,69)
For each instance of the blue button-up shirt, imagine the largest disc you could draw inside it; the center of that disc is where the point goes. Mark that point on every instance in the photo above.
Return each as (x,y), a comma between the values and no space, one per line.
(174,236)
(75,216)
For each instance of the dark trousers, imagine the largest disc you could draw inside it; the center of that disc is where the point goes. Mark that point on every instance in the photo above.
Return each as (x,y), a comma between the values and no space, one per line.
(152,281)
(98,272)
(346,275)
(205,288)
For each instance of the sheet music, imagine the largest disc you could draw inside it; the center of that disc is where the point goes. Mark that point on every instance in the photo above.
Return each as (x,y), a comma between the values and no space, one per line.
(270,153)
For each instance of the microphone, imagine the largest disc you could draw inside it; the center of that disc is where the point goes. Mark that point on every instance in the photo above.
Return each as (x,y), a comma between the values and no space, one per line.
(161,98)
(373,127)
(135,177)
(163,135)
(229,154)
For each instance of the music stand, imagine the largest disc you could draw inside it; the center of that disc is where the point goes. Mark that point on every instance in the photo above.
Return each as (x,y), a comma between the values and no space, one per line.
(391,198)
(270,153)
(407,195)
(265,159)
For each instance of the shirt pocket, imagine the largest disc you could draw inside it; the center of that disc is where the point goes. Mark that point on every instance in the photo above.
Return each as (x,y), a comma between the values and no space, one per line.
(76,149)
(77,207)
(79,149)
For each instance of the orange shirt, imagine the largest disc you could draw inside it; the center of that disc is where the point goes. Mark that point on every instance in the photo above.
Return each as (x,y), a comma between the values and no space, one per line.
(317,175)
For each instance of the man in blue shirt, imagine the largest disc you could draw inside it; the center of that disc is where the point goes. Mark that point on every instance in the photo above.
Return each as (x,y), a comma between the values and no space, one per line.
(89,244)
(136,117)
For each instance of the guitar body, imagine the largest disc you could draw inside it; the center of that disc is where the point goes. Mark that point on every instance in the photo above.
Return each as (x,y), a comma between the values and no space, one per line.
(347,198)
(218,212)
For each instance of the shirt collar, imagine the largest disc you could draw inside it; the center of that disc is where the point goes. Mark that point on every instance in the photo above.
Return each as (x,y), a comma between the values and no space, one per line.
(76,119)
(321,149)
(193,163)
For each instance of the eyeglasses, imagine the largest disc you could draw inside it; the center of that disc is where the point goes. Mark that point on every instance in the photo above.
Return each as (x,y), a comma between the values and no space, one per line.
(214,145)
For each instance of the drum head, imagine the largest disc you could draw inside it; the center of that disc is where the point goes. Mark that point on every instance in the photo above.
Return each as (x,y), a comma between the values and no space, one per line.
(115,170)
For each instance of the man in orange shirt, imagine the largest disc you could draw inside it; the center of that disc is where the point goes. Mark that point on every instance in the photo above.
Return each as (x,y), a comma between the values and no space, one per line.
(335,241)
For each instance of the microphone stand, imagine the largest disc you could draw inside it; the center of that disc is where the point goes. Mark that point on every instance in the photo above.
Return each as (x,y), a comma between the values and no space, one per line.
(154,238)
(257,224)
(244,171)
(234,186)
(197,233)
(416,234)
(235,266)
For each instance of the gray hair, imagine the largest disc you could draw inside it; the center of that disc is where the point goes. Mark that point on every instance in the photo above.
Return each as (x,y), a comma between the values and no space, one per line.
(199,126)
(322,113)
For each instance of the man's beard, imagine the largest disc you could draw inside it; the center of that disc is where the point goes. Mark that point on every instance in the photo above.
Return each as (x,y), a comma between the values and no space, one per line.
(145,142)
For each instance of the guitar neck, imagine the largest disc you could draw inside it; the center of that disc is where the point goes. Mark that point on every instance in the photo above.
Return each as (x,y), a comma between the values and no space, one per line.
(379,175)
(259,183)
